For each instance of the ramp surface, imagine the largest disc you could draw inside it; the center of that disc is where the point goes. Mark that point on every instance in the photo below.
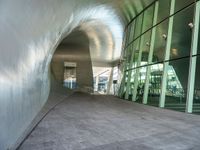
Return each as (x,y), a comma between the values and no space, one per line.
(91,122)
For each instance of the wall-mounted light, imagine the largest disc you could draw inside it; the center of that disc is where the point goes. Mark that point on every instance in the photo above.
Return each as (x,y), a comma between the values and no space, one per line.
(164,36)
(191,25)
(147,44)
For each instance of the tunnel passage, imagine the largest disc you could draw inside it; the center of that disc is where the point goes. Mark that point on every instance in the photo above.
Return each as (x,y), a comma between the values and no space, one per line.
(28,41)
(32,30)
(74,49)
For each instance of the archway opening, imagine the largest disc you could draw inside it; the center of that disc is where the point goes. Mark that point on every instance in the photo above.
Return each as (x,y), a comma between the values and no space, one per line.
(71,64)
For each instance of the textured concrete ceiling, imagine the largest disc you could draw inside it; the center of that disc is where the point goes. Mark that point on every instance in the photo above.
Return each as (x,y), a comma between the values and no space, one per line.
(104,24)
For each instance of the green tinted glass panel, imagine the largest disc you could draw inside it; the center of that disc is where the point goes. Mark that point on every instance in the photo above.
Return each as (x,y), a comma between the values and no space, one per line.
(196,102)
(148,18)
(146,46)
(177,80)
(136,51)
(130,56)
(131,36)
(138,26)
(160,42)
(127,36)
(155,84)
(141,83)
(182,34)
(180,4)
(164,9)
(199,39)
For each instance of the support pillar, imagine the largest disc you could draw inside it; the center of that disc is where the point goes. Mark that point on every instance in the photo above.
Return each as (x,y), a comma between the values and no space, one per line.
(167,55)
(150,57)
(110,82)
(126,53)
(192,69)
(138,63)
(96,83)
(130,71)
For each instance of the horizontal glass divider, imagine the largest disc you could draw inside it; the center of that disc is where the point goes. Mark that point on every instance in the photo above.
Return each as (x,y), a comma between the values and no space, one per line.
(158,24)
(161,20)
(140,13)
(159,62)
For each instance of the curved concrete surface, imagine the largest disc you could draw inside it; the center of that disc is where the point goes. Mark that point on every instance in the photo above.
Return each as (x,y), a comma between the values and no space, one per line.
(89,122)
(30,31)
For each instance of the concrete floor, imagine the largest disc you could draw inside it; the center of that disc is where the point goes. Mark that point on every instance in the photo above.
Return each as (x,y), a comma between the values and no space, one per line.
(91,122)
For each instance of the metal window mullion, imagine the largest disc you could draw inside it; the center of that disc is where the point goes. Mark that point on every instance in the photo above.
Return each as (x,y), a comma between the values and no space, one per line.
(138,62)
(192,69)
(129,75)
(131,34)
(150,57)
(124,42)
(120,92)
(121,89)
(128,36)
(124,70)
(123,64)
(126,51)
(130,72)
(167,54)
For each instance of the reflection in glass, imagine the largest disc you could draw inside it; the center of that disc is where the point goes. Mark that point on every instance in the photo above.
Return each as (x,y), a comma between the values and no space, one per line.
(177,80)
(146,46)
(180,4)
(132,30)
(164,9)
(160,42)
(138,29)
(196,102)
(148,18)
(141,83)
(177,73)
(127,36)
(129,53)
(155,84)
(136,52)
(131,84)
(198,51)
(123,86)
(182,34)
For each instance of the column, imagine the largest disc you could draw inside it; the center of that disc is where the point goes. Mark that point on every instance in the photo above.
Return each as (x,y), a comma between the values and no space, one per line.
(138,64)
(167,55)
(192,69)
(110,82)
(150,57)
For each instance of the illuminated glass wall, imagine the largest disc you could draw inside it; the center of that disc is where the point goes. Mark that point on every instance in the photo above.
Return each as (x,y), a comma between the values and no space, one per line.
(161,56)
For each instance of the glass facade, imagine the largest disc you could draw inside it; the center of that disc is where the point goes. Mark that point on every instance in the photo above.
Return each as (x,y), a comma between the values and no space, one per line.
(196,104)
(159,55)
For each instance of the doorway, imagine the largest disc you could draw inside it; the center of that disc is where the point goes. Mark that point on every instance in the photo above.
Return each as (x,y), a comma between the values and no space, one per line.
(70,75)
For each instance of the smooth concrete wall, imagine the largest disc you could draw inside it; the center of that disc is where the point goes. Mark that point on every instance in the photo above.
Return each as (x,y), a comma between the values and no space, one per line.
(30,31)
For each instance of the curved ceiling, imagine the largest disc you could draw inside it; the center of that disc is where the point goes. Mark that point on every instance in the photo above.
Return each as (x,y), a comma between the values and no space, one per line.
(104,22)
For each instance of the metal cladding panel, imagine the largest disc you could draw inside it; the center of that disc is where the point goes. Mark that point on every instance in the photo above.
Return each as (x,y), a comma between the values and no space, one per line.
(30,31)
